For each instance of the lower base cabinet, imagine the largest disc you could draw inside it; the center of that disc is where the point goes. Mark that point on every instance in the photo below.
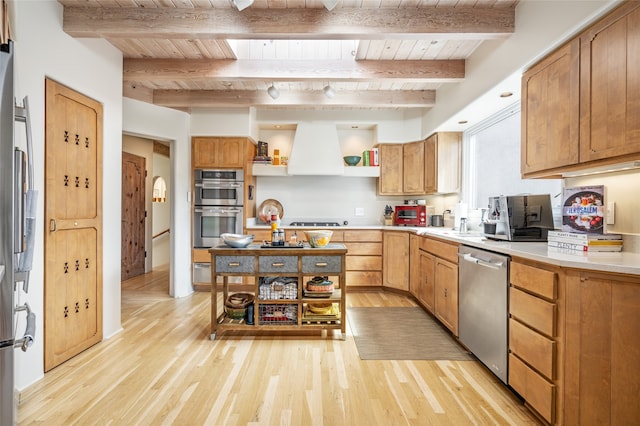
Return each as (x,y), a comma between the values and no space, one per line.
(602,353)
(435,279)
(395,259)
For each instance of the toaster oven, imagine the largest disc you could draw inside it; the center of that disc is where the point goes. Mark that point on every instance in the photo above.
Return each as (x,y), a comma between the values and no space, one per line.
(410,215)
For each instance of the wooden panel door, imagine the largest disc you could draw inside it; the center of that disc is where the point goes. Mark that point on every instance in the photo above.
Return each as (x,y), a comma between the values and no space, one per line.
(231,152)
(391,175)
(446,298)
(426,289)
(550,111)
(395,260)
(204,153)
(73,215)
(413,168)
(431,165)
(133,215)
(610,86)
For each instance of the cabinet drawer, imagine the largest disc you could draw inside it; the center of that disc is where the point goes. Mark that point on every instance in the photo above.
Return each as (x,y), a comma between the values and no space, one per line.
(235,264)
(539,393)
(363,263)
(363,278)
(200,256)
(537,350)
(534,280)
(440,248)
(536,313)
(374,249)
(321,264)
(362,235)
(278,264)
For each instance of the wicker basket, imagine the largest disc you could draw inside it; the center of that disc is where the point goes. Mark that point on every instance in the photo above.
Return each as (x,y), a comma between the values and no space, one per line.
(239,300)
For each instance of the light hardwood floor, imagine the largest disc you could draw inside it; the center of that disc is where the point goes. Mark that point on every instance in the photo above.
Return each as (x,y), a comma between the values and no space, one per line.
(163,369)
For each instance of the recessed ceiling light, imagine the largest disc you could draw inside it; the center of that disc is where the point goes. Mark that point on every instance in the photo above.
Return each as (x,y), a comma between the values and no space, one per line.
(506,94)
(277,126)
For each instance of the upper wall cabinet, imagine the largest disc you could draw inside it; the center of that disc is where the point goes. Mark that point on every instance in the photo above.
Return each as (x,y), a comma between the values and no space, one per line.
(391,169)
(610,86)
(442,154)
(427,167)
(550,111)
(208,152)
(581,104)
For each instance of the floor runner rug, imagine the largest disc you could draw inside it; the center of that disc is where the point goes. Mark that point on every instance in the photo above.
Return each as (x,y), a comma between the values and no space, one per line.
(402,333)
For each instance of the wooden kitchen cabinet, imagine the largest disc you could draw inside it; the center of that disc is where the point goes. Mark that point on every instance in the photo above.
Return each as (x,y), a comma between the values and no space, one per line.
(442,153)
(427,288)
(602,372)
(535,337)
(225,152)
(421,273)
(431,166)
(391,177)
(364,257)
(395,260)
(439,286)
(550,111)
(413,168)
(579,104)
(610,87)
(446,294)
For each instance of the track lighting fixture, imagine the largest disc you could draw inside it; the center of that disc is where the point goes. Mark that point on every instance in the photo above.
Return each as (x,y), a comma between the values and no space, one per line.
(273,92)
(242,4)
(329,92)
(329,4)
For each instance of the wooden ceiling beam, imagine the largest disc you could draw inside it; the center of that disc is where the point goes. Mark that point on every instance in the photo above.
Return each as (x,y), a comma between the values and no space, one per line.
(319,24)
(146,70)
(239,98)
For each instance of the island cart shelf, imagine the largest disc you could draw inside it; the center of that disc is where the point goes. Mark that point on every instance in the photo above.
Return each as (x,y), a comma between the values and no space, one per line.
(276,277)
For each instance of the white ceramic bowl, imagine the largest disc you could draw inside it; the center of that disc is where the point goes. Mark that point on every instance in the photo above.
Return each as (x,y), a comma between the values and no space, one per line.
(237,240)
(318,238)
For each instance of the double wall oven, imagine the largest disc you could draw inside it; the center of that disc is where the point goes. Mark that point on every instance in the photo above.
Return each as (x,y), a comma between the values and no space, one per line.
(218,205)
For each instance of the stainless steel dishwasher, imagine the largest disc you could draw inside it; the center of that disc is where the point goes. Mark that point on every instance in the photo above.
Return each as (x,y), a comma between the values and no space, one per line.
(484,307)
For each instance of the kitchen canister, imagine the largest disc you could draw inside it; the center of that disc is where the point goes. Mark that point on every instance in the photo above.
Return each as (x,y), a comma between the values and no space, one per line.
(437,220)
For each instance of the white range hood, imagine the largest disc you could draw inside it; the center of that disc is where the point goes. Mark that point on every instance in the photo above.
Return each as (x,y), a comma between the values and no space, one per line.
(316,150)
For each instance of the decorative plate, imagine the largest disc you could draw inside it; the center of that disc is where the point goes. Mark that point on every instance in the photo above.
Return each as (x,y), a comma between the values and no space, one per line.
(269,207)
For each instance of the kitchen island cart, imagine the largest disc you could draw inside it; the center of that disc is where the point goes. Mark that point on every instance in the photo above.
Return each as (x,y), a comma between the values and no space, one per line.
(277,278)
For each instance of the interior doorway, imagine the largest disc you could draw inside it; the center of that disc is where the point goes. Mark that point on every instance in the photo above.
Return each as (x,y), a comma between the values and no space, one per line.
(157,237)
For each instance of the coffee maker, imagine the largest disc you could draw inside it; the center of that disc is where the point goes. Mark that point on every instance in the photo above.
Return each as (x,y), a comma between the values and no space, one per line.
(519,217)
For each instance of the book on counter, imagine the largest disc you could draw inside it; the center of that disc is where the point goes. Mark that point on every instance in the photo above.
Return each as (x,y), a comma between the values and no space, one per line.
(583,210)
(610,245)
(584,242)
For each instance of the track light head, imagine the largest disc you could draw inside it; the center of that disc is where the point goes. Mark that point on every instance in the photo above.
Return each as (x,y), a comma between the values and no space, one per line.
(329,92)
(273,92)
(242,4)
(330,4)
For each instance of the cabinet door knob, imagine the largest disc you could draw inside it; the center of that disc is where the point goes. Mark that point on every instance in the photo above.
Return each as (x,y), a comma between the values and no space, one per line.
(321,264)
(277,264)
(234,263)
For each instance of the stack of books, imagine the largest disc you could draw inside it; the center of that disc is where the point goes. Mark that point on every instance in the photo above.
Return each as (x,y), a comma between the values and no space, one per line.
(574,241)
(370,157)
(261,159)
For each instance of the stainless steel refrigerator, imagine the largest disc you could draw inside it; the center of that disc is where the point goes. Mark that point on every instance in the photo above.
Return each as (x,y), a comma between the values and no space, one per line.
(17,223)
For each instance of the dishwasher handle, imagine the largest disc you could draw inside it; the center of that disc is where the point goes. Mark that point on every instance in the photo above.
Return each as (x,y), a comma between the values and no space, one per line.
(468,257)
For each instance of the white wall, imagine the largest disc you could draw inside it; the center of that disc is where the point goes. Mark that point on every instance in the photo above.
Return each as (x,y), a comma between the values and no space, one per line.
(94,68)
(165,124)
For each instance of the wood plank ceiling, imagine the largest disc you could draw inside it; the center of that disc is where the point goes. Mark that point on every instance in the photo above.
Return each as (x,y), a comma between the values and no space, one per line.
(374,53)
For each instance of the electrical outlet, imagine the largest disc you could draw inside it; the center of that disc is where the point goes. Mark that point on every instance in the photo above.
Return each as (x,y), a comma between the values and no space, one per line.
(610,215)
(359,211)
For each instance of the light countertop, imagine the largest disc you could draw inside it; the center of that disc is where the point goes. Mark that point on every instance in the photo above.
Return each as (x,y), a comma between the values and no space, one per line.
(618,262)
